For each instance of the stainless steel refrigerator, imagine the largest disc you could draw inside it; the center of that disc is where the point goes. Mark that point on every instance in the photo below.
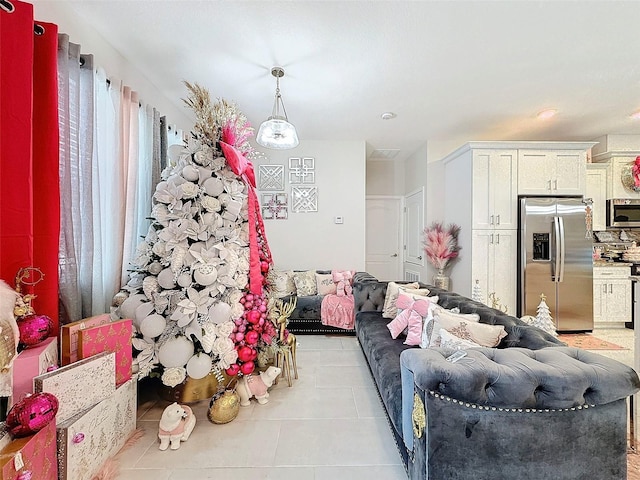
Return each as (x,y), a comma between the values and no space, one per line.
(555,258)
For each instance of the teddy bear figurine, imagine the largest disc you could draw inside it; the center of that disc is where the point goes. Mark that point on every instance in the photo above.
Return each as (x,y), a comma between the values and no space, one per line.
(176,424)
(257,386)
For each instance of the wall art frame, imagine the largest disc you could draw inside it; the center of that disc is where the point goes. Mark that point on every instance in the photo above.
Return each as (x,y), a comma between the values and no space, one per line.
(302,170)
(304,199)
(271,177)
(275,206)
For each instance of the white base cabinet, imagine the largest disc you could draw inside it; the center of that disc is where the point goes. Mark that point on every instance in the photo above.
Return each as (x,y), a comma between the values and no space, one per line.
(611,295)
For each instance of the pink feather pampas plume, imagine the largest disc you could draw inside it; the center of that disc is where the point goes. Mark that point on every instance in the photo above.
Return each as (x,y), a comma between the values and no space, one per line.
(441,244)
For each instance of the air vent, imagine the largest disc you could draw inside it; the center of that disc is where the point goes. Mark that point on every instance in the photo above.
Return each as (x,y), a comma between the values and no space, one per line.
(384,154)
(410,276)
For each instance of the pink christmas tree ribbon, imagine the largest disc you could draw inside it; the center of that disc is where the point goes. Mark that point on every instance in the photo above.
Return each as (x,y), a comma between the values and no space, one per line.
(242,167)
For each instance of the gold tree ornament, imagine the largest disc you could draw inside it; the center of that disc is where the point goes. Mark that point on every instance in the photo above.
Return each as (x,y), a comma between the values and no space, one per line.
(26,276)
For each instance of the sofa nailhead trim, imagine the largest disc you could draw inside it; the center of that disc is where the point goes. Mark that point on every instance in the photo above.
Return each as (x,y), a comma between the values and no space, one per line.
(502,409)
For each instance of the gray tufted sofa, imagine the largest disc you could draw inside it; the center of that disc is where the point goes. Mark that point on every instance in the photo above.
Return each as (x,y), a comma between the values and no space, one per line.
(531,408)
(306,317)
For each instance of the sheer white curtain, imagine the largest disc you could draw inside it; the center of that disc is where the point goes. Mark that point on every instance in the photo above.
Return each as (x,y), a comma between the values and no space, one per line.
(75,112)
(129,151)
(111,156)
(108,194)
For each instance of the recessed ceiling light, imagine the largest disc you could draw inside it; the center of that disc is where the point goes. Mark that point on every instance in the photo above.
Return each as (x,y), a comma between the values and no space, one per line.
(635,115)
(388,115)
(547,114)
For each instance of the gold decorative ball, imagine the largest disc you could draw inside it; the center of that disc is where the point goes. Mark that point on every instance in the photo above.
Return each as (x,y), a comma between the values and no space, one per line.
(224,408)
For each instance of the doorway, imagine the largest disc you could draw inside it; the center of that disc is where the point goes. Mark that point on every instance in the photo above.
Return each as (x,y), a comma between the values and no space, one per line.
(384,255)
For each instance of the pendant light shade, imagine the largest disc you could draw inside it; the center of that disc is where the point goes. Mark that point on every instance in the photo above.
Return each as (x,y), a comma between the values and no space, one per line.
(276,132)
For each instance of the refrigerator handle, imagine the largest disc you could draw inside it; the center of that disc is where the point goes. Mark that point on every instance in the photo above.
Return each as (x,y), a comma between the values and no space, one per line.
(562,248)
(555,274)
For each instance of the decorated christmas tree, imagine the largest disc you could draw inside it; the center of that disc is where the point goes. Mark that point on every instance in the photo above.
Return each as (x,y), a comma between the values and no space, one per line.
(196,292)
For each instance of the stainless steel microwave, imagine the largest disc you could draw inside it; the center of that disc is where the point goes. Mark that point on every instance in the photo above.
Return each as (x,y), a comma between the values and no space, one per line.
(623,212)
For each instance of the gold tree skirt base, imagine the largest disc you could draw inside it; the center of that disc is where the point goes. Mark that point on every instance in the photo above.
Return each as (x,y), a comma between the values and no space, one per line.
(191,390)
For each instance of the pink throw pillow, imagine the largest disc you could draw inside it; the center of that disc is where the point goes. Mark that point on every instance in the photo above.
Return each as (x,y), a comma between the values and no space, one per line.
(411,314)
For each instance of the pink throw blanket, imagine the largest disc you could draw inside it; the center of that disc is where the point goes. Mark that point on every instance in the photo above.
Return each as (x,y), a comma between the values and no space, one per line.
(337,311)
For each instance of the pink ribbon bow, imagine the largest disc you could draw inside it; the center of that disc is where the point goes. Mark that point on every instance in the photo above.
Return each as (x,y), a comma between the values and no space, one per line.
(412,310)
(242,167)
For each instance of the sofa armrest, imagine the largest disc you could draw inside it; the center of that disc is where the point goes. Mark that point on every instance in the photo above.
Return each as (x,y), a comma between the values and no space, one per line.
(549,378)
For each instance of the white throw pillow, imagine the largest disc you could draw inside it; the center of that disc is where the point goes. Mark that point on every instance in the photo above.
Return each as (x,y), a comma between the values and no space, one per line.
(465,328)
(449,340)
(281,283)
(305,283)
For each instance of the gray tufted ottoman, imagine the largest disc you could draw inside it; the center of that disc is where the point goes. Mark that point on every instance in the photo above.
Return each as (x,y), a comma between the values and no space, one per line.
(515,413)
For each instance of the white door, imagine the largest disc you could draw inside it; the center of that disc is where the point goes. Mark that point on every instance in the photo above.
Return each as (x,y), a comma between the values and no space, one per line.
(383,254)
(414,227)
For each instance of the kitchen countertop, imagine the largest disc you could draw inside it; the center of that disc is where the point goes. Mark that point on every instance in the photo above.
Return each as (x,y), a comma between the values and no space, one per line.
(600,263)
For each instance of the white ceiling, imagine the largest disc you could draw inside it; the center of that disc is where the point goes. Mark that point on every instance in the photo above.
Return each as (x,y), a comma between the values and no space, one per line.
(452,71)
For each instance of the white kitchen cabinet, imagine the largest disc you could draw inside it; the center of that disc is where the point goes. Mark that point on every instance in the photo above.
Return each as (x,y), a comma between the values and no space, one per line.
(551,172)
(482,181)
(619,153)
(493,260)
(495,186)
(620,165)
(611,295)
(596,189)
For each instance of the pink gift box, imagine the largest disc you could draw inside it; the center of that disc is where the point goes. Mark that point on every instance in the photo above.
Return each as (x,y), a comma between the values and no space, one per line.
(36,454)
(69,336)
(110,337)
(30,363)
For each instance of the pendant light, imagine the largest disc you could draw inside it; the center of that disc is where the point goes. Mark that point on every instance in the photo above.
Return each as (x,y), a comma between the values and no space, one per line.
(276,132)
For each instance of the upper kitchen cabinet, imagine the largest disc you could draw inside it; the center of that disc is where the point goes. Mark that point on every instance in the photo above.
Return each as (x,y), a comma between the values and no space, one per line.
(495,183)
(555,171)
(483,183)
(619,152)
(596,189)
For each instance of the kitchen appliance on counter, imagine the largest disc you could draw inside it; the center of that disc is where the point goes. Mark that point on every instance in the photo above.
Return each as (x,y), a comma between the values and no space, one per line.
(555,258)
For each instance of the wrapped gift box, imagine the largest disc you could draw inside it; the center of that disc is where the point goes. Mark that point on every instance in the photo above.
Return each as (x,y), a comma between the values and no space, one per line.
(110,337)
(86,441)
(35,454)
(80,385)
(69,336)
(30,363)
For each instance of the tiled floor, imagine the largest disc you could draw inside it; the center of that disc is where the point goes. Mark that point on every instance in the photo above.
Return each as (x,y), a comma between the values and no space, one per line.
(620,336)
(329,425)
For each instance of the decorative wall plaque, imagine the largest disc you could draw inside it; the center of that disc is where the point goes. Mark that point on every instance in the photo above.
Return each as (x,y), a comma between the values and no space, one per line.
(304,199)
(275,206)
(302,170)
(271,177)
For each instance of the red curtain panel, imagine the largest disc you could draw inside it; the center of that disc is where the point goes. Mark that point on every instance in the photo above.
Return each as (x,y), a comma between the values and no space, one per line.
(45,164)
(29,149)
(16,179)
